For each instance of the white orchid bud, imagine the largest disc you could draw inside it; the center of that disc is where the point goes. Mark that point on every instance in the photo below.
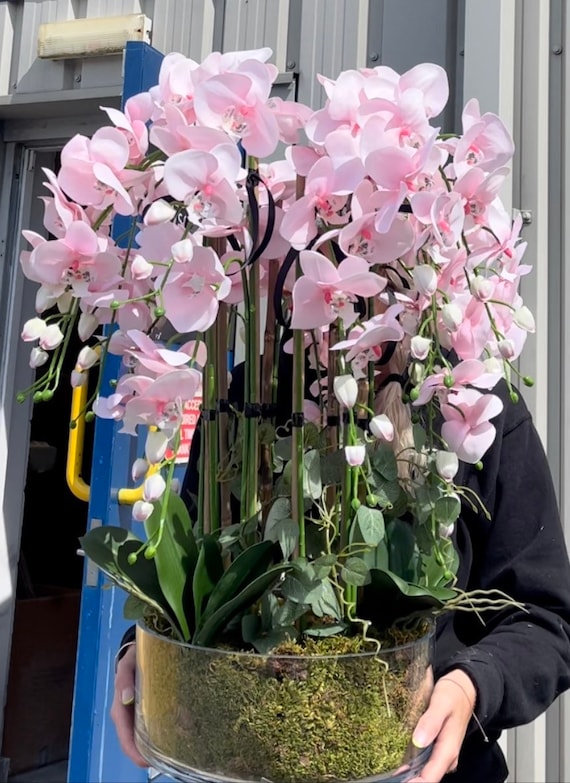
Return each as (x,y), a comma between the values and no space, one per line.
(346,390)
(139,468)
(381,427)
(482,288)
(425,279)
(153,487)
(38,357)
(140,268)
(446,531)
(51,337)
(447,464)
(33,329)
(155,446)
(45,298)
(506,348)
(159,212)
(87,358)
(182,251)
(77,379)
(86,326)
(492,365)
(355,455)
(524,319)
(175,486)
(419,347)
(142,510)
(452,316)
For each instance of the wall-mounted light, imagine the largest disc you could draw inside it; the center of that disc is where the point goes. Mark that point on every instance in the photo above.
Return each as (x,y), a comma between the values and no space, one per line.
(95,37)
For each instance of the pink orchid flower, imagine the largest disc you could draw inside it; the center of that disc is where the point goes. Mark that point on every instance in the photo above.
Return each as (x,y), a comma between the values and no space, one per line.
(175,85)
(326,292)
(206,183)
(467,429)
(478,191)
(92,170)
(360,238)
(140,350)
(471,372)
(162,402)
(485,142)
(192,291)
(134,130)
(60,212)
(373,334)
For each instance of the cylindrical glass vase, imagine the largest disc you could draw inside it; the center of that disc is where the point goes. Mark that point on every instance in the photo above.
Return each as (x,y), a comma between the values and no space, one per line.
(217,716)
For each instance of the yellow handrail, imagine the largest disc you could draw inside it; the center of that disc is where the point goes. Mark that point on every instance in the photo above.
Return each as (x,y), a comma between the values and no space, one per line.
(75,444)
(128,497)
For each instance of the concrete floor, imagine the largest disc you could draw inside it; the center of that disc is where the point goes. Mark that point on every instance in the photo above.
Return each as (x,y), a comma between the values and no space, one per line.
(53,773)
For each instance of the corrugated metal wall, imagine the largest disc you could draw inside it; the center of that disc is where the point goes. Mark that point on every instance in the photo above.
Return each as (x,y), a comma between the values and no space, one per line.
(508,53)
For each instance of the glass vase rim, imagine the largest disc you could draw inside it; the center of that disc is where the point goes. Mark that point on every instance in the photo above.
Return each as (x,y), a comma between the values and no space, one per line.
(425,638)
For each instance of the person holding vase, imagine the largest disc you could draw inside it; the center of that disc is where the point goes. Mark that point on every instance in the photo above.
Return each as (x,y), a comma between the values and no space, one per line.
(489,676)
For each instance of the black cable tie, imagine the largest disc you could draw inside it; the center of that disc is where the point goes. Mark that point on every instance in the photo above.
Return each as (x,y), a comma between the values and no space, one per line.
(252,410)
(209,414)
(268,410)
(298,419)
(333,421)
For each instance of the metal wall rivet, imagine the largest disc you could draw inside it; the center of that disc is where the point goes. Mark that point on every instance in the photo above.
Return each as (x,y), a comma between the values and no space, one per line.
(374,57)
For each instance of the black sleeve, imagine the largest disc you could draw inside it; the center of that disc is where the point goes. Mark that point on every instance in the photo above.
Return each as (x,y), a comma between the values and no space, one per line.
(521,663)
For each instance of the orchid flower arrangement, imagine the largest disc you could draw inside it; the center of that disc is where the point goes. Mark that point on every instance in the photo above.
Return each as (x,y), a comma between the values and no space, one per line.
(359,239)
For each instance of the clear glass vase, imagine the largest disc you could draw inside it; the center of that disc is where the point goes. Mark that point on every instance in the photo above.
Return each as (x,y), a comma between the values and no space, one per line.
(219,716)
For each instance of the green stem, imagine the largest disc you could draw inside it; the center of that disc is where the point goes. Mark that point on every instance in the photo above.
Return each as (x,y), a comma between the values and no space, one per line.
(298,470)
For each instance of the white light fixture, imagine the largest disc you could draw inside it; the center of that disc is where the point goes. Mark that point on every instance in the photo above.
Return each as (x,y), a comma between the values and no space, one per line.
(95,37)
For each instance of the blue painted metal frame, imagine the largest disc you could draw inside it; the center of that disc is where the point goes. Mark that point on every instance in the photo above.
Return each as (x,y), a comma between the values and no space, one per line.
(95,756)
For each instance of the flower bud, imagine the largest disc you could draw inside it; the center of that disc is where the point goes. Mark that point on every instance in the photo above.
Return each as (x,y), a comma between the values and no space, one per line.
(425,279)
(524,319)
(506,348)
(355,455)
(86,326)
(87,358)
(419,347)
(182,251)
(51,337)
(446,531)
(139,469)
(482,288)
(355,503)
(159,212)
(33,329)
(451,316)
(381,427)
(153,487)
(155,446)
(45,298)
(65,301)
(142,510)
(140,268)
(346,390)
(447,464)
(38,357)
(492,365)
(78,379)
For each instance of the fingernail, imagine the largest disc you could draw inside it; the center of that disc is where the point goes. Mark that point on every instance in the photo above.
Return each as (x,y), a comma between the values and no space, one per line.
(128,696)
(419,740)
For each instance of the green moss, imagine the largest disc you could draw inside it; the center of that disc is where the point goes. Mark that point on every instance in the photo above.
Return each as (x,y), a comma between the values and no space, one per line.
(303,720)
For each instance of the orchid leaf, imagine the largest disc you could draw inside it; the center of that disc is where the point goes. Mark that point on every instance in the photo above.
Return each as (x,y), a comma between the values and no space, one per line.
(176,556)
(402,549)
(312,484)
(208,572)
(370,523)
(355,572)
(383,461)
(219,619)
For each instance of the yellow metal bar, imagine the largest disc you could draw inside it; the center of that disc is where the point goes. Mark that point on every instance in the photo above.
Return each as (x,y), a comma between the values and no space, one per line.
(75,444)
(128,497)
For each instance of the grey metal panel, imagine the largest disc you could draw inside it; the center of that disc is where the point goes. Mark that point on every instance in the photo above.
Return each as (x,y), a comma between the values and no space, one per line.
(250,24)
(185,26)
(333,38)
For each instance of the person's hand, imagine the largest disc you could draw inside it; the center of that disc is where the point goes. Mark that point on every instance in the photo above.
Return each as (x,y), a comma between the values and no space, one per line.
(445,723)
(122,709)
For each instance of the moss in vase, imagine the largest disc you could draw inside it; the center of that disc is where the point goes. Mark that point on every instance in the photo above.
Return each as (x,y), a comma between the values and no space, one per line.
(307,719)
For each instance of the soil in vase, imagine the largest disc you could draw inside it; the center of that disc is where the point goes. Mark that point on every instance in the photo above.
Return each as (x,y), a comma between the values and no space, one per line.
(325,712)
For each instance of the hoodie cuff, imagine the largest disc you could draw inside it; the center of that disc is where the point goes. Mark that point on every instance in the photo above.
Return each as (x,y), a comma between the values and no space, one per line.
(486,676)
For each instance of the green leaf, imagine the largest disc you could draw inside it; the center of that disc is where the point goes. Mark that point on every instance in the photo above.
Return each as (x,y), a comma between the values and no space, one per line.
(246,598)
(176,556)
(402,549)
(265,643)
(312,485)
(370,522)
(250,564)
(326,630)
(323,565)
(389,598)
(207,573)
(420,437)
(447,509)
(333,468)
(284,448)
(355,572)
(327,604)
(383,461)
(134,608)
